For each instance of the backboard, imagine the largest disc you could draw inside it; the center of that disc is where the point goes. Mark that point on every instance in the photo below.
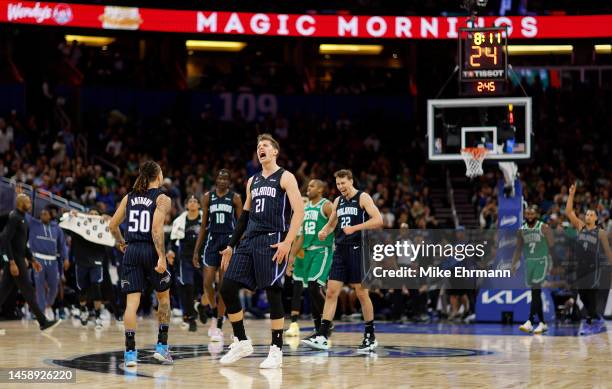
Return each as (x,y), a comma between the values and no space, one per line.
(502,125)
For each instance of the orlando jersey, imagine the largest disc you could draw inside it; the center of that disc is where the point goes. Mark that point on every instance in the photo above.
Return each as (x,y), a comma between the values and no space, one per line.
(270,208)
(221,213)
(192,230)
(349,214)
(586,251)
(139,213)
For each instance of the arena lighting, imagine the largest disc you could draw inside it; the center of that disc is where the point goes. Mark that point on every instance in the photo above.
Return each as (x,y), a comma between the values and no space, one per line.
(95,41)
(603,49)
(214,45)
(329,48)
(539,49)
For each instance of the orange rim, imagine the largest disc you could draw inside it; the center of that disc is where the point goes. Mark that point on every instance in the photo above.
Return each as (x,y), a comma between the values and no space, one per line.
(478,153)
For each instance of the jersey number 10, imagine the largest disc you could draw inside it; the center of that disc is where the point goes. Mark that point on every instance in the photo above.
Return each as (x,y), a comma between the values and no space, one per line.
(220,218)
(139,221)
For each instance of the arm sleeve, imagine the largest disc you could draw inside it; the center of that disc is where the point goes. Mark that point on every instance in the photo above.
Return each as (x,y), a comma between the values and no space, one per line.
(240,228)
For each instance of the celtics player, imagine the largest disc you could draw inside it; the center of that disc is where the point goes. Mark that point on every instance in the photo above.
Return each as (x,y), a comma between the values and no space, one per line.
(534,241)
(313,270)
(590,241)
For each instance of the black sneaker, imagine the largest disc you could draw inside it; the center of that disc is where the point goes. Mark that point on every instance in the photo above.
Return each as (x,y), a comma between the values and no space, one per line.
(193,327)
(49,325)
(368,344)
(202,313)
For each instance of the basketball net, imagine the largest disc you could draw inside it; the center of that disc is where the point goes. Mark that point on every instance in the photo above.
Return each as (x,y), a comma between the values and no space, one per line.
(473,158)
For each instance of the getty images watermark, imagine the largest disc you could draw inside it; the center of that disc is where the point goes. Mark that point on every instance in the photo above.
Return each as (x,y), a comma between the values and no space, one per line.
(460,259)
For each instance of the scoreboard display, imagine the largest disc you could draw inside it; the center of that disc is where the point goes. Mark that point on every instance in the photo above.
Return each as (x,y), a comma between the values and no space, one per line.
(483,57)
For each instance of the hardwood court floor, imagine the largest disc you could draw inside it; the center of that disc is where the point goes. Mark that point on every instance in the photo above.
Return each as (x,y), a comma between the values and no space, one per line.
(432,360)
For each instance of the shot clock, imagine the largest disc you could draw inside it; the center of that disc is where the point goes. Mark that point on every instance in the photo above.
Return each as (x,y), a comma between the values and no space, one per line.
(483,61)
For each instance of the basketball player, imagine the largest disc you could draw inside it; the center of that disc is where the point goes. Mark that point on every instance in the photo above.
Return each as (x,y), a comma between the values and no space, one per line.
(144,260)
(260,259)
(355,211)
(312,271)
(535,241)
(589,241)
(89,273)
(189,222)
(220,209)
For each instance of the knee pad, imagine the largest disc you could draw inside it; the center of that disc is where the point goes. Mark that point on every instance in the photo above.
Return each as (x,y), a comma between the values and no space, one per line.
(275,298)
(229,293)
(95,292)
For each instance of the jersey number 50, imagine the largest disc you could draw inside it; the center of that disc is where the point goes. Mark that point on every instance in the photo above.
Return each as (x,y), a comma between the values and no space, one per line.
(139,221)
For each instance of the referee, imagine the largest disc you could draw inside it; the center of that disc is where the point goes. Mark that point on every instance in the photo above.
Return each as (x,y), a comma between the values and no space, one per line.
(14,251)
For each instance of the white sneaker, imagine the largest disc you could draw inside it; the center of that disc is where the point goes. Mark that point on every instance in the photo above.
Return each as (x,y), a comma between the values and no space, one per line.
(177,312)
(98,323)
(541,327)
(213,326)
(294,330)
(105,315)
(237,350)
(216,334)
(318,342)
(527,327)
(84,316)
(274,359)
(49,314)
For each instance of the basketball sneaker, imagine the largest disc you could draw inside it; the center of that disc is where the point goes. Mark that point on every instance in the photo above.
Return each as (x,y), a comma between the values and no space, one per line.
(368,344)
(585,328)
(216,334)
(130,358)
(213,326)
(540,328)
(162,354)
(193,326)
(237,350)
(274,359)
(98,323)
(294,330)
(317,342)
(527,327)
(84,316)
(49,325)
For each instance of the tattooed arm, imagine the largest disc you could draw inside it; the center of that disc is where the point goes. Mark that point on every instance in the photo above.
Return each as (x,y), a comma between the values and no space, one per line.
(116,220)
(157,230)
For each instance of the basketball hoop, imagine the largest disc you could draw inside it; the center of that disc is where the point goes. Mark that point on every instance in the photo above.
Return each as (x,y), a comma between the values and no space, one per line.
(473,158)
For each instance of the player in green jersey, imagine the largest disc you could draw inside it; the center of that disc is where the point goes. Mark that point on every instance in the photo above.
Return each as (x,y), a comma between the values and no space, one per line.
(313,269)
(535,241)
